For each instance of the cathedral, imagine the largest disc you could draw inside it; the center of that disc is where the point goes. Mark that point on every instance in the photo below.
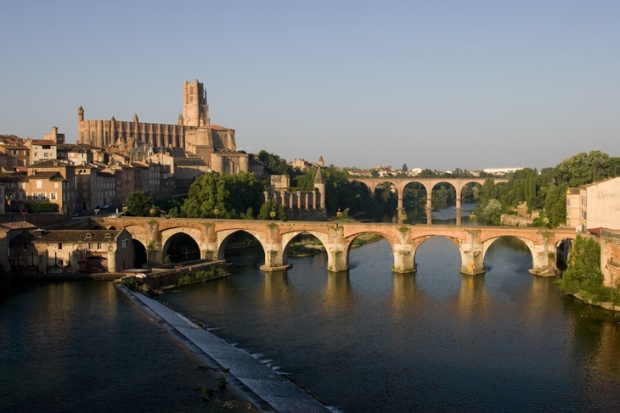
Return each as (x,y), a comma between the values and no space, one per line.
(194,133)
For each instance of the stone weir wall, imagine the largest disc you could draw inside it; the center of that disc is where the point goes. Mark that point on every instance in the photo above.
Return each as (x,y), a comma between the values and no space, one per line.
(160,279)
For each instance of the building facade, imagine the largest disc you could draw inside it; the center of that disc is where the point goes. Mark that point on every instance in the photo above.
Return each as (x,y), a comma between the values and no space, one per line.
(596,205)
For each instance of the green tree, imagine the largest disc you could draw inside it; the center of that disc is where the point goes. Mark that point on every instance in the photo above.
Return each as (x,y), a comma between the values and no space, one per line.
(224,196)
(583,274)
(584,168)
(274,165)
(139,204)
(268,207)
(492,212)
(555,204)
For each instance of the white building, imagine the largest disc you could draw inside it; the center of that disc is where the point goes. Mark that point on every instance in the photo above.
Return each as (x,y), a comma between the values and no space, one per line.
(596,205)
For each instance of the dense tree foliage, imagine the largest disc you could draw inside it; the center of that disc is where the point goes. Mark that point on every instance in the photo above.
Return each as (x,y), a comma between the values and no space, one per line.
(583,274)
(585,168)
(279,211)
(223,196)
(139,204)
(340,193)
(274,165)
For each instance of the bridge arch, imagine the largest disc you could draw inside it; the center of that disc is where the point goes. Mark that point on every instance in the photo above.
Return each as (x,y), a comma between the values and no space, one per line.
(401,251)
(288,237)
(140,256)
(194,233)
(181,245)
(224,236)
(526,242)
(425,257)
(139,233)
(418,241)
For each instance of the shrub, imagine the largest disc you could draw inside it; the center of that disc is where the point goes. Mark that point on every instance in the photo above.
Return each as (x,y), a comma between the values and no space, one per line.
(41,207)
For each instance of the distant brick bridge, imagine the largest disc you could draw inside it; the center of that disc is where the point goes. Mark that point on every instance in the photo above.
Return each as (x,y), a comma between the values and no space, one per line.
(211,236)
(399,185)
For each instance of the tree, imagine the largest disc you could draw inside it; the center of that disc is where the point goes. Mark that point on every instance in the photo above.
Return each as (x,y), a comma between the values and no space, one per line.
(268,207)
(493,212)
(139,204)
(583,274)
(404,168)
(274,165)
(224,196)
(584,168)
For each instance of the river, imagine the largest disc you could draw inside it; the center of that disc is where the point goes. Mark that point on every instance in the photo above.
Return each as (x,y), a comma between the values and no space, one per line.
(363,341)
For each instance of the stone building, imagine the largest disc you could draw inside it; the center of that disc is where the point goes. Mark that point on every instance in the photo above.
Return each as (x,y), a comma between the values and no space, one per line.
(71,251)
(41,150)
(53,181)
(301,205)
(214,144)
(596,205)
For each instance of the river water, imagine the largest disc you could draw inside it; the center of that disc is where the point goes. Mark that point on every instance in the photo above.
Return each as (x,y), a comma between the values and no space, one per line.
(366,340)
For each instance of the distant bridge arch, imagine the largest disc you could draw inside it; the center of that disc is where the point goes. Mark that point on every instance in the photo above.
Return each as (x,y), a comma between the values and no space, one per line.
(399,185)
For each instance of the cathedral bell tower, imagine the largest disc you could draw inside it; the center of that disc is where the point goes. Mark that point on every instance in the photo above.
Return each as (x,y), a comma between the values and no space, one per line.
(195,107)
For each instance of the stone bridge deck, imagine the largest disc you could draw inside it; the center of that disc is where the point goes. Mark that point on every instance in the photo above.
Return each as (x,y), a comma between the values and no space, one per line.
(211,236)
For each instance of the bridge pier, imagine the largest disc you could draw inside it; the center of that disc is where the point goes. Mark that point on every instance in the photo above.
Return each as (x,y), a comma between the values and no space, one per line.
(543,261)
(275,261)
(472,254)
(404,261)
(472,262)
(337,260)
(154,256)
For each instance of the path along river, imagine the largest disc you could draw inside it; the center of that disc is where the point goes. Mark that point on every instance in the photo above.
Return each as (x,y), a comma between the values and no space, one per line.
(363,341)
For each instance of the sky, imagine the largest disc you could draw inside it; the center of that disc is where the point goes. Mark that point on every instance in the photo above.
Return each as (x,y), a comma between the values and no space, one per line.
(433,84)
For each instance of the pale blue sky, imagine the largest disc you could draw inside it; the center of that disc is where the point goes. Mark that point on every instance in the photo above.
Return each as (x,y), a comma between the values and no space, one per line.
(435,84)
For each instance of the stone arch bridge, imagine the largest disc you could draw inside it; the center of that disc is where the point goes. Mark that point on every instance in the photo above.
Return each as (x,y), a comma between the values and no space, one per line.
(211,236)
(399,185)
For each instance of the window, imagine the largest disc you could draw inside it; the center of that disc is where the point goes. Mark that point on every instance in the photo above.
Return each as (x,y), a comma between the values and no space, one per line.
(35,196)
(39,183)
(99,246)
(43,196)
(124,243)
(53,196)
(55,184)
(90,246)
(60,245)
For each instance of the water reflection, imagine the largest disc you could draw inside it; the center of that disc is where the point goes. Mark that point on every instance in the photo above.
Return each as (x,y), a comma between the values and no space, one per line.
(337,295)
(275,288)
(405,298)
(472,298)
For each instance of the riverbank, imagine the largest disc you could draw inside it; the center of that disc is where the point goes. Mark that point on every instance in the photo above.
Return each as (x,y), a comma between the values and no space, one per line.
(254,381)
(606,305)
